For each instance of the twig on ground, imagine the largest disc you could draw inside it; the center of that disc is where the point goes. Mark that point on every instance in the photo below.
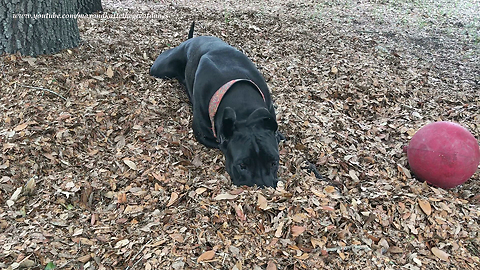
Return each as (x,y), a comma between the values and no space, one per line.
(134,257)
(44,89)
(357,247)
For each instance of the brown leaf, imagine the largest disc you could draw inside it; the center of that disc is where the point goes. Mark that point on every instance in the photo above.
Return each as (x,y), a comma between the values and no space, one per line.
(395,250)
(130,164)
(236,191)
(239,212)
(27,263)
(304,256)
(300,217)
(334,70)
(206,256)
(197,161)
(122,198)
(23,126)
(173,199)
(353,175)
(297,230)
(440,254)
(278,232)
(316,243)
(225,196)
(177,237)
(29,187)
(271,266)
(329,189)
(122,243)
(130,209)
(262,202)
(200,190)
(425,206)
(85,258)
(328,208)
(120,142)
(93,219)
(109,72)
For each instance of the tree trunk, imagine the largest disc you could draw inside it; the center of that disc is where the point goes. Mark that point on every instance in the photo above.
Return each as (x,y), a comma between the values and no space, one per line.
(89,6)
(34,27)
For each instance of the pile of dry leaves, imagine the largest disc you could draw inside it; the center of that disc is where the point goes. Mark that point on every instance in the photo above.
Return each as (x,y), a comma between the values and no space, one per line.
(99,167)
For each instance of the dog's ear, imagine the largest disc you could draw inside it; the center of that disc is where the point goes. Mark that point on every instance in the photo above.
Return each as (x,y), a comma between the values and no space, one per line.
(264,118)
(227,125)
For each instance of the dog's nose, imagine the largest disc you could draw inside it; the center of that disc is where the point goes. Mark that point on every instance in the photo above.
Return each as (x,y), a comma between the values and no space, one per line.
(268,181)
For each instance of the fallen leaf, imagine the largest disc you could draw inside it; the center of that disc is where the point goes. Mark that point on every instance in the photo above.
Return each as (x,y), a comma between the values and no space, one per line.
(85,258)
(271,266)
(15,194)
(29,187)
(328,208)
(121,198)
(122,243)
(23,126)
(317,192)
(177,237)
(120,142)
(93,219)
(50,266)
(130,164)
(425,206)
(225,196)
(440,254)
(304,256)
(200,190)
(316,243)
(206,256)
(334,70)
(130,209)
(329,189)
(262,202)
(297,230)
(31,61)
(405,171)
(395,250)
(173,199)
(77,232)
(239,212)
(197,162)
(353,175)
(300,217)
(109,72)
(278,232)
(236,191)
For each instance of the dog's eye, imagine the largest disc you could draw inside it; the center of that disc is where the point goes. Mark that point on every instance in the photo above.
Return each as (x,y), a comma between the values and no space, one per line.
(243,166)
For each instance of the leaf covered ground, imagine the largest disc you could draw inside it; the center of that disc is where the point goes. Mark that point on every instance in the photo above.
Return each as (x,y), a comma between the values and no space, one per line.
(99,168)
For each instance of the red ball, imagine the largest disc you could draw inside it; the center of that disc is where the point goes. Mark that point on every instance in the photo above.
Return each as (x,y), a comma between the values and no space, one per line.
(443,154)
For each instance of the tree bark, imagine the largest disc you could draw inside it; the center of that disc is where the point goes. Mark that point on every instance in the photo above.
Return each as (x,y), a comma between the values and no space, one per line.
(34,27)
(89,6)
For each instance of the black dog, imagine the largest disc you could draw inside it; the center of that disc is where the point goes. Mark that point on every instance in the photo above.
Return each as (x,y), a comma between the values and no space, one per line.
(232,107)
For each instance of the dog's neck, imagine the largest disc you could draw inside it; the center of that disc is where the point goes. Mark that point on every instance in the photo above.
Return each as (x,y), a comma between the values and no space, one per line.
(243,96)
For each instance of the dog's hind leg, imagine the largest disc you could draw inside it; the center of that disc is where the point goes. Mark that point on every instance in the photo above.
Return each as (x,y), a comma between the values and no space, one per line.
(170,64)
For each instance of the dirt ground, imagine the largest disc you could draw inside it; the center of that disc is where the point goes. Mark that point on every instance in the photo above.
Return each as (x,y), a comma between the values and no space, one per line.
(99,168)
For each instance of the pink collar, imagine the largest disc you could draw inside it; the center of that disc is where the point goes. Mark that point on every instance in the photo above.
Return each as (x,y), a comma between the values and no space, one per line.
(217,98)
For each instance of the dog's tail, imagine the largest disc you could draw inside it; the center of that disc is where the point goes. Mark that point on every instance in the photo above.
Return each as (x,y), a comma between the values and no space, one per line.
(190,33)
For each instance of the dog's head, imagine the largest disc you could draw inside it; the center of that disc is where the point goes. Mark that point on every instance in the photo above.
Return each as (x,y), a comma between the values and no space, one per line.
(250,147)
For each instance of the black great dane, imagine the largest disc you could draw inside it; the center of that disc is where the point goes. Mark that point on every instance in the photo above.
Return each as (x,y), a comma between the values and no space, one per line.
(232,106)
